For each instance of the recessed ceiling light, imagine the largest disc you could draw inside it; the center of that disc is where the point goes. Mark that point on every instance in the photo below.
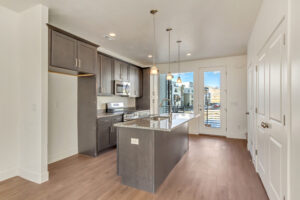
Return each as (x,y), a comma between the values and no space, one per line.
(112,34)
(188,54)
(149,56)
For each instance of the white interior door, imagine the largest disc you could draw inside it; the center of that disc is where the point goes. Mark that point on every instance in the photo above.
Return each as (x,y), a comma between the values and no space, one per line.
(262,147)
(271,111)
(212,101)
(250,111)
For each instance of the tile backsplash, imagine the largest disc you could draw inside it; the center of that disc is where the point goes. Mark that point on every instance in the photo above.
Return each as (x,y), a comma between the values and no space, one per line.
(102,100)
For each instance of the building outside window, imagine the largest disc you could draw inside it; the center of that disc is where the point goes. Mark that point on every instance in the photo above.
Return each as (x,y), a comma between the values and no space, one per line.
(181,95)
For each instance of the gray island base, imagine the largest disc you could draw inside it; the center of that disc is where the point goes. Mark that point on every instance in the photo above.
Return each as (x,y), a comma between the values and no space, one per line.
(148,149)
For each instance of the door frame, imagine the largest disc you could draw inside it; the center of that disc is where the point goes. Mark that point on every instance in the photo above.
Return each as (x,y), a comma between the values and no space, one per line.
(251,71)
(213,131)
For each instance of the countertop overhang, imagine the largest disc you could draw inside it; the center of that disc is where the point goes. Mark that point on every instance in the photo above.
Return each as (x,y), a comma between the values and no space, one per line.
(164,124)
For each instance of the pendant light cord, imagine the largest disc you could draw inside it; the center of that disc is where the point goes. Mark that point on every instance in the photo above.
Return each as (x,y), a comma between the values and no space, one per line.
(169,49)
(154,40)
(179,57)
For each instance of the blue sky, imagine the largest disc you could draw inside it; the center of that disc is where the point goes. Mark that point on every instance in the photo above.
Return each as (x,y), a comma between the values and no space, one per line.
(185,77)
(212,79)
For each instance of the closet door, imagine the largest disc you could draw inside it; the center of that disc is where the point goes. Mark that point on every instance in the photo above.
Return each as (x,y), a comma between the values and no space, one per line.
(272,108)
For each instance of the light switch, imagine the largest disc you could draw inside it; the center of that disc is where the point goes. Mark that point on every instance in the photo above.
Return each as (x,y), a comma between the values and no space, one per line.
(135,141)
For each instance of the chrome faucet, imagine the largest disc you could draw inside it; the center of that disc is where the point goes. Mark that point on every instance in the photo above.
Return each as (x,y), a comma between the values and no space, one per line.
(170,106)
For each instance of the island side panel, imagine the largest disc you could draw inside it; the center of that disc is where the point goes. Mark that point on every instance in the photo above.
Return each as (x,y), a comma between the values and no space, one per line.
(136,162)
(169,148)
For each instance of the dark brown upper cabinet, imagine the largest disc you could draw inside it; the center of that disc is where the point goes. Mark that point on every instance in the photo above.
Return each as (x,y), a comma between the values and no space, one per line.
(105,75)
(121,71)
(135,81)
(70,52)
(63,51)
(87,57)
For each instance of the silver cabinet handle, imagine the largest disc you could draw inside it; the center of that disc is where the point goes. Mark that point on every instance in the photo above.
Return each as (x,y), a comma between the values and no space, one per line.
(76,63)
(79,63)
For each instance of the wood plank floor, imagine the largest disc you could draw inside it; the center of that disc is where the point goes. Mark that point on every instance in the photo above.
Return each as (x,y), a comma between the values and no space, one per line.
(214,168)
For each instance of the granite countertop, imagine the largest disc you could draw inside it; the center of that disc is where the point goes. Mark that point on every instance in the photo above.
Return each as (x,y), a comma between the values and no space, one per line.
(163,124)
(101,115)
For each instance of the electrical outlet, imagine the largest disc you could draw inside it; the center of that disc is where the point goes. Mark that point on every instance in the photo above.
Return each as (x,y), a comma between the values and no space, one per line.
(135,141)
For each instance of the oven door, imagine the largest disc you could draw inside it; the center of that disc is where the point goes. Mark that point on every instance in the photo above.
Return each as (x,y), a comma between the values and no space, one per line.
(122,88)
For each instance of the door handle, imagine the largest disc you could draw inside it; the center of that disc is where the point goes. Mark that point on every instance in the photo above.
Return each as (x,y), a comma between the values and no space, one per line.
(247,113)
(264,125)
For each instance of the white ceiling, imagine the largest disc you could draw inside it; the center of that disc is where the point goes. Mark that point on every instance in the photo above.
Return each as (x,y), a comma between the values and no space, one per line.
(207,28)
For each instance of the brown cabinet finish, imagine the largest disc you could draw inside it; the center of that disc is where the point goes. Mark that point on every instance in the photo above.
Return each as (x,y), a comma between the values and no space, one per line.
(105,76)
(87,57)
(87,112)
(103,133)
(113,133)
(63,51)
(132,81)
(144,101)
(135,81)
(117,70)
(70,52)
(141,77)
(121,71)
(125,72)
(106,132)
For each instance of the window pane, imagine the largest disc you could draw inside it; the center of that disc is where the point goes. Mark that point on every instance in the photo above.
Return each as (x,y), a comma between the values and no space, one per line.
(212,99)
(181,95)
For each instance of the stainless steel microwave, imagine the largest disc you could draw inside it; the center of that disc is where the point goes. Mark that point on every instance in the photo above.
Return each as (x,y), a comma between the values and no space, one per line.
(122,88)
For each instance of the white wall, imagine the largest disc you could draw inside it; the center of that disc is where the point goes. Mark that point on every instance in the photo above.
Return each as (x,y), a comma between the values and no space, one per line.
(62,134)
(24,64)
(269,16)
(236,90)
(295,99)
(33,105)
(9,117)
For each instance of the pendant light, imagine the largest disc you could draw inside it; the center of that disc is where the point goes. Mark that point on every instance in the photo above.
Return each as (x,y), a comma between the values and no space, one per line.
(154,70)
(179,78)
(169,75)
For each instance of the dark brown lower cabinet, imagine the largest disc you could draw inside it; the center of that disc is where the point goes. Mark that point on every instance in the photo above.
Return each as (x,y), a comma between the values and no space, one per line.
(106,132)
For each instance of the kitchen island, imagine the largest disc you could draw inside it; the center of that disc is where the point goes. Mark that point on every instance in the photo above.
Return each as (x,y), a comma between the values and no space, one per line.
(149,148)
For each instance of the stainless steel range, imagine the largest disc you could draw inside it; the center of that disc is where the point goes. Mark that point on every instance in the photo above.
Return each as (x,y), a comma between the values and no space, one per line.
(128,113)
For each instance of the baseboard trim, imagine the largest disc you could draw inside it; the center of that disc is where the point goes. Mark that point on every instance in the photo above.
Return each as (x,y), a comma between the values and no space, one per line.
(33,176)
(237,137)
(8,174)
(61,155)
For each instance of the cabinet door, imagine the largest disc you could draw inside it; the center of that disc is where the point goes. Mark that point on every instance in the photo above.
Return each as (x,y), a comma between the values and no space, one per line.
(87,57)
(117,70)
(132,81)
(124,72)
(63,51)
(139,83)
(106,73)
(113,133)
(103,133)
